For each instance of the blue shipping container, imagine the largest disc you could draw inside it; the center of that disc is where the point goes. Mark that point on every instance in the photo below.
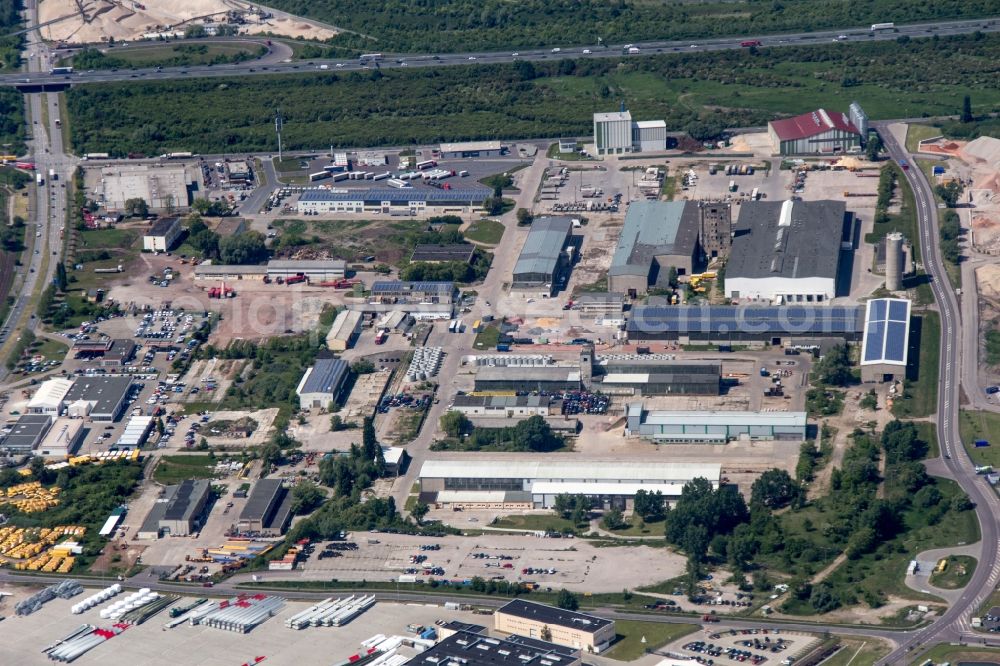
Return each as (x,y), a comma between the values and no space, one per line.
(981,443)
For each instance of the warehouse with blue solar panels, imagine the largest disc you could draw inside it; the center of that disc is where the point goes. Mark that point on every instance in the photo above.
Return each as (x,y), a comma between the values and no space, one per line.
(886,340)
(798,326)
(405,200)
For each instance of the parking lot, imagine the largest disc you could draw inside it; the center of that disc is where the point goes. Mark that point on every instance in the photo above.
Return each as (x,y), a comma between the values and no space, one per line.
(713,646)
(576,564)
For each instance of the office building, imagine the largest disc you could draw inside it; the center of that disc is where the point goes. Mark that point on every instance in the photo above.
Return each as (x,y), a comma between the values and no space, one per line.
(392,292)
(885,345)
(580,631)
(322,383)
(62,439)
(657,236)
(611,304)
(788,251)
(393,201)
(162,235)
(114,353)
(505,406)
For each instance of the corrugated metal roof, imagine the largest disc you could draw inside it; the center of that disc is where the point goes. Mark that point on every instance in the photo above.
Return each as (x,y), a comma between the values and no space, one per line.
(612,116)
(730,418)
(324,377)
(467,146)
(811,124)
(395,286)
(654,228)
(376,195)
(620,471)
(543,245)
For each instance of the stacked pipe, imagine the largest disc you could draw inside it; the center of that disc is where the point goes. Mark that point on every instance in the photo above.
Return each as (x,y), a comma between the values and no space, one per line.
(349,612)
(181,619)
(146,611)
(97,598)
(239,614)
(83,640)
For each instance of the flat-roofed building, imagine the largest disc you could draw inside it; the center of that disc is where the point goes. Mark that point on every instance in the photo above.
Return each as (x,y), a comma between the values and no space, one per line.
(178,511)
(438,253)
(209,271)
(613,132)
(344,331)
(716,427)
(570,628)
(393,201)
(162,235)
(49,397)
(657,236)
(600,302)
(322,383)
(505,406)
(543,259)
(396,291)
(161,186)
(62,440)
(100,398)
(26,434)
(314,269)
(464,648)
(268,509)
(473,149)
(113,353)
(649,136)
(528,378)
(610,483)
(885,346)
(788,251)
(625,374)
(239,172)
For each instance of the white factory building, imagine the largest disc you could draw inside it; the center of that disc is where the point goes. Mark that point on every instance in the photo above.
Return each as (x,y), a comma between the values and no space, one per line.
(649,136)
(48,399)
(613,132)
(476,482)
(718,427)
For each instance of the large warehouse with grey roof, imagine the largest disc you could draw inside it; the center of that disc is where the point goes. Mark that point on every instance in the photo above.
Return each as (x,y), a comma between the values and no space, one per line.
(657,235)
(788,251)
(543,259)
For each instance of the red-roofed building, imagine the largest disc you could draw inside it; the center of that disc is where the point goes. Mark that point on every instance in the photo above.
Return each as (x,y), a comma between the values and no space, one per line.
(820,131)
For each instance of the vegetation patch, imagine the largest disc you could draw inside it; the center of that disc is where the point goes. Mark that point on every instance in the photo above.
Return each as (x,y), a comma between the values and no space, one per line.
(958,571)
(485,231)
(171,470)
(634,638)
(975,426)
(166,55)
(919,396)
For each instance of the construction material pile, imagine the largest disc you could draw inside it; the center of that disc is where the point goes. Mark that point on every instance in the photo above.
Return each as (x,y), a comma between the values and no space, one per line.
(239,614)
(331,612)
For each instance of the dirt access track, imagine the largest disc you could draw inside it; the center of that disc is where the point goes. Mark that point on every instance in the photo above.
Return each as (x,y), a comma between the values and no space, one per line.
(93,21)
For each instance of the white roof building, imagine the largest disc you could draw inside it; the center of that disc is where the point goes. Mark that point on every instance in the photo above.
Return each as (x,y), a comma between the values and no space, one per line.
(49,397)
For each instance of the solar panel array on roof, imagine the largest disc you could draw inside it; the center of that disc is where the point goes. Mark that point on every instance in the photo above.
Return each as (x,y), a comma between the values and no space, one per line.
(887,328)
(725,319)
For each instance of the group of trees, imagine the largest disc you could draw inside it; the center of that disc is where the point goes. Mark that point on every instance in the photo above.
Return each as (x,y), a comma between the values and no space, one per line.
(531,434)
(183,55)
(350,474)
(950,231)
(12,235)
(449,271)
(834,369)
(136,207)
(887,178)
(246,248)
(574,508)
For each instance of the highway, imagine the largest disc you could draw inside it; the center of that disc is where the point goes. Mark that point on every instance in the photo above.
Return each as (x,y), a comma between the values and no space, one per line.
(852,36)
(955,624)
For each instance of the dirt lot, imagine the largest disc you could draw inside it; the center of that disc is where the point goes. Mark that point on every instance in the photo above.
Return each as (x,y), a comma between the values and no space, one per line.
(579,564)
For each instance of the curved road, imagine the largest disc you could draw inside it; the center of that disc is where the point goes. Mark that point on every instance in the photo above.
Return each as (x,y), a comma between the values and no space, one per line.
(955,623)
(944,28)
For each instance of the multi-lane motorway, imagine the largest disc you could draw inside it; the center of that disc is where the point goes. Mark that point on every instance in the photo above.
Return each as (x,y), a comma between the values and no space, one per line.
(845,37)
(955,624)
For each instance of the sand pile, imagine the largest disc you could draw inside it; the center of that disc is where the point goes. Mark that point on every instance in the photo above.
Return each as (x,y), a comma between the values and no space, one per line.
(984,149)
(989,182)
(988,279)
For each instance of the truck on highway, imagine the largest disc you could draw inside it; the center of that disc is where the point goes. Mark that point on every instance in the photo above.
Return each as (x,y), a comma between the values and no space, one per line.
(52,174)
(61,70)
(877,27)
(633,50)
(747,43)
(38,179)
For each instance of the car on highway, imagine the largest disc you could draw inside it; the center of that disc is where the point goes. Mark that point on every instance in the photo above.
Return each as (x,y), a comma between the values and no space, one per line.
(587,52)
(515,54)
(556,50)
(472,57)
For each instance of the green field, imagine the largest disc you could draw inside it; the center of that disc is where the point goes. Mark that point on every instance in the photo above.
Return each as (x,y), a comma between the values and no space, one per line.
(535,523)
(916,133)
(956,654)
(485,231)
(975,425)
(905,221)
(700,93)
(919,397)
(858,652)
(165,55)
(174,469)
(957,575)
(638,528)
(634,638)
(488,337)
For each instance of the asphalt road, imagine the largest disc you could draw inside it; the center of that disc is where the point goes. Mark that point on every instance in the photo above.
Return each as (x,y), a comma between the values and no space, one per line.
(556,52)
(955,624)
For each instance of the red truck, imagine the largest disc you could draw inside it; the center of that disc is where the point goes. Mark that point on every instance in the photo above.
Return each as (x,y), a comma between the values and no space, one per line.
(296,279)
(381,337)
(751,42)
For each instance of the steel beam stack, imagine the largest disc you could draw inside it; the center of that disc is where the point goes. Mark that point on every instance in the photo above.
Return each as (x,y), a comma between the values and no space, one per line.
(239,614)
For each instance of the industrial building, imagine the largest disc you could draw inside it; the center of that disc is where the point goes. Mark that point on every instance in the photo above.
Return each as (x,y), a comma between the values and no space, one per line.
(388,200)
(50,397)
(567,146)
(652,374)
(231,226)
(26,434)
(820,131)
(891,255)
(657,235)
(544,258)
(472,149)
(344,331)
(162,235)
(607,303)
(178,511)
(322,383)
(317,270)
(859,119)
(136,431)
(62,440)
(396,291)
(112,353)
(649,136)
(100,398)
(679,427)
(539,378)
(467,648)
(576,630)
(788,251)
(505,406)
(209,271)
(435,254)
(886,340)
(716,237)
(268,509)
(505,480)
(162,186)
(799,326)
(613,132)
(239,172)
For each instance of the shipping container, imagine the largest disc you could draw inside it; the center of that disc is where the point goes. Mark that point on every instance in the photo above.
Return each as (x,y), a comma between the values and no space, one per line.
(319,175)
